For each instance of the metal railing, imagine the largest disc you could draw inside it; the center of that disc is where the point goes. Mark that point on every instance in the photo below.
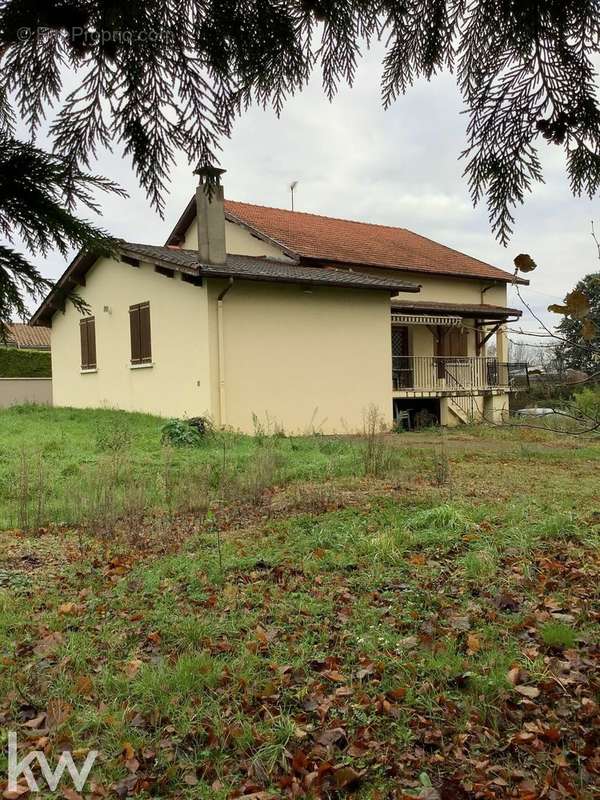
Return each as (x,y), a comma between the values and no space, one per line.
(450,373)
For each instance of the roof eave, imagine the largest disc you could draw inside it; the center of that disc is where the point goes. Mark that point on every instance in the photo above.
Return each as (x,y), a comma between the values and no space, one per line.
(156,260)
(83,261)
(482,313)
(183,223)
(64,286)
(215,272)
(448,273)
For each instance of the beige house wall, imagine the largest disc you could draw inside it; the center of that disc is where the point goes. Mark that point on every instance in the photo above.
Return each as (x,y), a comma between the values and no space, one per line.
(420,341)
(435,288)
(298,359)
(441,288)
(302,360)
(238,241)
(177,383)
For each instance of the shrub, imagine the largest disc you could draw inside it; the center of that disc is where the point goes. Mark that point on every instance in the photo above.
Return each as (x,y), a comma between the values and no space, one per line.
(180,433)
(587,401)
(24,363)
(204,425)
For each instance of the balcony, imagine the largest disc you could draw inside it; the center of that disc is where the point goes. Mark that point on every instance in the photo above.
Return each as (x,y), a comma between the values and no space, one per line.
(453,375)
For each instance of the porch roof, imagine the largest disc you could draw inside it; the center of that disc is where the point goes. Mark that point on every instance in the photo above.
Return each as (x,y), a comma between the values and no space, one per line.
(480,311)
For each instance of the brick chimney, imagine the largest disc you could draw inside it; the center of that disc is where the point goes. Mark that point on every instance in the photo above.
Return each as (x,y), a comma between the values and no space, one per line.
(210,215)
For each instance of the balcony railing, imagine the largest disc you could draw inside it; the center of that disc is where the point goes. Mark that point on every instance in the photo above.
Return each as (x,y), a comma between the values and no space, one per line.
(452,373)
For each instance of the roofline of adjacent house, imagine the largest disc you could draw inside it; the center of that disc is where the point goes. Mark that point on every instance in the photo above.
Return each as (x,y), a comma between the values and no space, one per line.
(187,217)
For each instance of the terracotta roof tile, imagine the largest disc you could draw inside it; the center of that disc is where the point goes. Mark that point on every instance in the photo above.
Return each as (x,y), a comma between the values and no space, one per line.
(26,337)
(340,240)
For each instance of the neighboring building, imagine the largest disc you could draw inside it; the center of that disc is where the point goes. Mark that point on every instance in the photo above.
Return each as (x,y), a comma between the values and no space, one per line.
(301,321)
(26,337)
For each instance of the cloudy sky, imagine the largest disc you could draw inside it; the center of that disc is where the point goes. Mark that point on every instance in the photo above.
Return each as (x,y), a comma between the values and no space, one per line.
(398,167)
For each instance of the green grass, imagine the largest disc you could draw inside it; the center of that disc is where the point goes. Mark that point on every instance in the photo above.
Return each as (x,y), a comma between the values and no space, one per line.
(558,635)
(314,619)
(51,453)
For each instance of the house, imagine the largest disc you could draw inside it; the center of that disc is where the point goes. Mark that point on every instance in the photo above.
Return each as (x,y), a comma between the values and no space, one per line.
(299,321)
(25,337)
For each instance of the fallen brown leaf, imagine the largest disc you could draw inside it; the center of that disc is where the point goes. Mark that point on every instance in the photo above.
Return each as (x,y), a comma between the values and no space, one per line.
(58,712)
(347,778)
(528,691)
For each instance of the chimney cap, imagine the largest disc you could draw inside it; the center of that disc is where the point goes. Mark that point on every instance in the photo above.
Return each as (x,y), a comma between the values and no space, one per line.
(209,173)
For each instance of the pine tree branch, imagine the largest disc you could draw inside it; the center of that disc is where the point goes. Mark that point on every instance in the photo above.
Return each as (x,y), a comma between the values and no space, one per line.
(36,190)
(162,76)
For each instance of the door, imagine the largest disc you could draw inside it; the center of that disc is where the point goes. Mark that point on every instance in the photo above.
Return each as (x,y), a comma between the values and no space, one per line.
(453,343)
(453,365)
(401,362)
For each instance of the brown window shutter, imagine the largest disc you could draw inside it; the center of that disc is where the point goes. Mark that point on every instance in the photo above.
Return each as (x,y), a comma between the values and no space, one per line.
(87,333)
(91,328)
(145,339)
(84,343)
(134,326)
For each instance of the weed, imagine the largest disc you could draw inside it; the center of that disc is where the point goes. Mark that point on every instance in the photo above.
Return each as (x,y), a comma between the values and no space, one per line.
(445,517)
(480,564)
(31,491)
(375,452)
(114,435)
(180,433)
(442,462)
(558,635)
(260,473)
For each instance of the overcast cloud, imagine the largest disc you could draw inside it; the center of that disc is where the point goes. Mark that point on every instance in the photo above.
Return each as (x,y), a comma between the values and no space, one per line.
(397,167)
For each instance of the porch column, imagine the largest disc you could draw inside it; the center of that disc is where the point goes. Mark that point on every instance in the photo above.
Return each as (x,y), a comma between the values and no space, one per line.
(502,344)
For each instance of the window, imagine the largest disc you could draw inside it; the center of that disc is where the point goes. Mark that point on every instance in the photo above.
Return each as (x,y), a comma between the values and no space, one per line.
(139,324)
(87,332)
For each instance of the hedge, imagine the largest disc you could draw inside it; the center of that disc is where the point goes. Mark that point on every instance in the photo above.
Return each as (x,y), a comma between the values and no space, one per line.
(24,363)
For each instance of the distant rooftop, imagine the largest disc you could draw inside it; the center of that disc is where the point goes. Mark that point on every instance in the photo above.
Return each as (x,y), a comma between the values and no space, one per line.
(24,337)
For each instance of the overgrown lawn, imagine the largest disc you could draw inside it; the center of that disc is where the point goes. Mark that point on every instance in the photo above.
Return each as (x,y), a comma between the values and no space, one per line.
(317,631)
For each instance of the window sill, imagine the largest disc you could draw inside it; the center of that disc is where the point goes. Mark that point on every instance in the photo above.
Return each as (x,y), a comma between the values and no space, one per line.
(149,365)
(88,371)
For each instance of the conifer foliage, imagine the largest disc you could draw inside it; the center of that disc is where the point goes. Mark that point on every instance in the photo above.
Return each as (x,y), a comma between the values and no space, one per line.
(155,77)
